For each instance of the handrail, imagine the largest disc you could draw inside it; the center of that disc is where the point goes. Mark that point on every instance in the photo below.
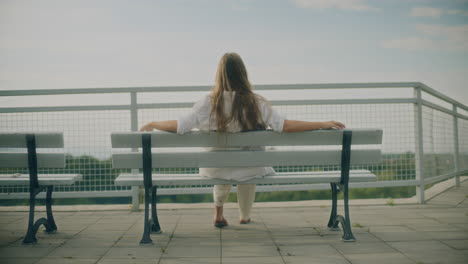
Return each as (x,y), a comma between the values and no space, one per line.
(201,88)
(441,96)
(190,104)
(205,88)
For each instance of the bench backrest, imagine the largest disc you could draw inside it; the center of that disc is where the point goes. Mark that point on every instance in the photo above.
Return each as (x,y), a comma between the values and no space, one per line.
(248,158)
(31,141)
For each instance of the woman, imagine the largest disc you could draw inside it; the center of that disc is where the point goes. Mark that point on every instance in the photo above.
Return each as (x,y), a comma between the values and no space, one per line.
(232,106)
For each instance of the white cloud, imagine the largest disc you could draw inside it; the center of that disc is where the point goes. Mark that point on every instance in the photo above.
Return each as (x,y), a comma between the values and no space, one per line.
(435,12)
(437,38)
(457,12)
(451,33)
(426,12)
(356,5)
(411,43)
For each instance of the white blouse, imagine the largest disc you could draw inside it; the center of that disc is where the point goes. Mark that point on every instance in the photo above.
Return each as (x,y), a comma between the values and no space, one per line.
(199,117)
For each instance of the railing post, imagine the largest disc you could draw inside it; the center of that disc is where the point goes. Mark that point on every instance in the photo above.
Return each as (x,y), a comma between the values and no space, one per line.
(419,151)
(134,127)
(456,157)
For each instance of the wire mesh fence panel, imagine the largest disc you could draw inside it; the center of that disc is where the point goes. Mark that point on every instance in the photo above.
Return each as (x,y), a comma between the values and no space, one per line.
(438,143)
(86,143)
(463,144)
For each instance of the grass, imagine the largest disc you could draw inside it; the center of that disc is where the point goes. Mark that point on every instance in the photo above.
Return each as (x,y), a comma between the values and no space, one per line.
(390,202)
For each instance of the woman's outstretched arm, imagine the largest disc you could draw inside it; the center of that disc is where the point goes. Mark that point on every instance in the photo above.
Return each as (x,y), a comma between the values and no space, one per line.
(169,126)
(300,126)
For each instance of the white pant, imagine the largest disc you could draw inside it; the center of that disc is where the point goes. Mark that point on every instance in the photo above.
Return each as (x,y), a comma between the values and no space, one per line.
(245,197)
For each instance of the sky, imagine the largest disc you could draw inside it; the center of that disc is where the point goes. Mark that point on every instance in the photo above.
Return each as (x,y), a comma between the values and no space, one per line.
(83,44)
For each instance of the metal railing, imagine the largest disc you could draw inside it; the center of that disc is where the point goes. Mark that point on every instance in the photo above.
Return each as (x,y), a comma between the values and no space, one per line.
(425,134)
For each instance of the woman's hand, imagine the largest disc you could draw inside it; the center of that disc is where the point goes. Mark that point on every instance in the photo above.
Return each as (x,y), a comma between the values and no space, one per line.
(333,125)
(168,125)
(147,127)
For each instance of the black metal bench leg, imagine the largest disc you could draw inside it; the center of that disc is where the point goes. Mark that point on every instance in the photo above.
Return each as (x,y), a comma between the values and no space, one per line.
(30,237)
(155,227)
(52,227)
(332,223)
(146,239)
(348,234)
(147,180)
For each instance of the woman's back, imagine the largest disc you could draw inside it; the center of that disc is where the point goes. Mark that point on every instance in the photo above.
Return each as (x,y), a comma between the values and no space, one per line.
(201,116)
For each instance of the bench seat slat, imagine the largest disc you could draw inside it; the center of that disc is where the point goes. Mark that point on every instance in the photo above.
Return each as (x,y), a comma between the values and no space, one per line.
(43,140)
(20,160)
(256,138)
(244,158)
(44,179)
(129,179)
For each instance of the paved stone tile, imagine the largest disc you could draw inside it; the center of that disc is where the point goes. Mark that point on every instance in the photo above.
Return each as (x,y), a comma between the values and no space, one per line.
(193,251)
(247,241)
(249,251)
(113,235)
(158,241)
(363,248)
(390,228)
(304,240)
(6,219)
(18,260)
(309,250)
(293,231)
(90,252)
(457,244)
(256,260)
(89,242)
(190,261)
(41,243)
(65,234)
(193,230)
(67,261)
(430,252)
(435,227)
(127,261)
(25,251)
(196,233)
(4,241)
(121,220)
(453,220)
(134,252)
(252,226)
(229,233)
(463,226)
(414,221)
(363,237)
(380,258)
(189,241)
(19,226)
(109,227)
(457,213)
(401,236)
(448,235)
(337,259)
(137,231)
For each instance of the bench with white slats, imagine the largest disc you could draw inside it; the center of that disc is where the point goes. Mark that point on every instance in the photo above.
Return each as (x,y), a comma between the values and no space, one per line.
(344,157)
(36,182)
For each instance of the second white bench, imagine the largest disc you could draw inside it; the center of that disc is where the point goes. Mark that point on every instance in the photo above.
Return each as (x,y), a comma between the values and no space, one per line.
(37,182)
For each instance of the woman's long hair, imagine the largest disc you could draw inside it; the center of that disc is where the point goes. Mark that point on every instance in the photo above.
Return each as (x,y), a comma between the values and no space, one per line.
(232,77)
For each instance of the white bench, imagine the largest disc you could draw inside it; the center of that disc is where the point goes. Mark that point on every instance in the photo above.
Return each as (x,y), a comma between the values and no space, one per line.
(36,182)
(340,156)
